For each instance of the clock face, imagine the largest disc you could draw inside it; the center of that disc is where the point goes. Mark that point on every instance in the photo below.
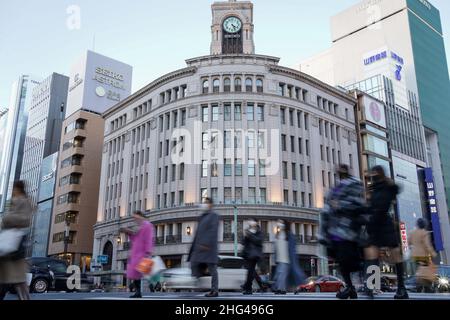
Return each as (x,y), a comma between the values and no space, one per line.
(232,25)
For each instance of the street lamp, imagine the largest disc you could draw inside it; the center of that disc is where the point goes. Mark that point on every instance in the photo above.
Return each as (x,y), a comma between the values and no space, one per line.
(188,230)
(235,211)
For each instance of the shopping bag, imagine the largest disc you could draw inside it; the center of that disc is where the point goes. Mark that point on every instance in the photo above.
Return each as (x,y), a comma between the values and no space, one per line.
(145,266)
(10,240)
(426,273)
(158,266)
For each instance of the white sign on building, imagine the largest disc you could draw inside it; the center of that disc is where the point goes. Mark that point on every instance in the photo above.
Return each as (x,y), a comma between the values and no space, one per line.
(97,83)
(374,111)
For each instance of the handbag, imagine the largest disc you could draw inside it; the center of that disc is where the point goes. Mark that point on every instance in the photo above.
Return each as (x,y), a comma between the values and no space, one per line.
(157,267)
(426,273)
(145,266)
(10,241)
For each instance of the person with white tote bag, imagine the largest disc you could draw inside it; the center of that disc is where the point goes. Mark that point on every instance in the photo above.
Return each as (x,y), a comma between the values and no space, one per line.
(14,227)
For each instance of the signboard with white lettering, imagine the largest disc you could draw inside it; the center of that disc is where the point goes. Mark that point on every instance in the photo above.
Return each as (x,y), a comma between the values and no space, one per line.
(97,83)
(433,209)
(404,236)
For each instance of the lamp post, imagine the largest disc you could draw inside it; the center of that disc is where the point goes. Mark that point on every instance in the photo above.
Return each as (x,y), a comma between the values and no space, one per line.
(67,237)
(235,211)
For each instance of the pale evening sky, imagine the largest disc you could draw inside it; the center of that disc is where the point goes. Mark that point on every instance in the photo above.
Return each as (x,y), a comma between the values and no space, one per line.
(154,36)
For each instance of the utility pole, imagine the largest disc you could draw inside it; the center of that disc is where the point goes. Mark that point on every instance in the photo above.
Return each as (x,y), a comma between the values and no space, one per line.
(235,231)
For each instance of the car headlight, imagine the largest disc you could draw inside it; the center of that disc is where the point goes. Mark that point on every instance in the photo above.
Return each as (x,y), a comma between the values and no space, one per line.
(310,283)
(443,281)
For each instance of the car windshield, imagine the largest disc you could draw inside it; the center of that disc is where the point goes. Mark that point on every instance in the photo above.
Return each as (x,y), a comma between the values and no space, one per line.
(311,279)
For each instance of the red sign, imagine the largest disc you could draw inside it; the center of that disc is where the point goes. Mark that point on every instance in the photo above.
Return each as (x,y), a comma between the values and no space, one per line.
(404,236)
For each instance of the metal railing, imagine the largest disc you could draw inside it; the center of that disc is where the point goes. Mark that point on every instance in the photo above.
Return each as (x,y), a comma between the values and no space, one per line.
(229,237)
(173,239)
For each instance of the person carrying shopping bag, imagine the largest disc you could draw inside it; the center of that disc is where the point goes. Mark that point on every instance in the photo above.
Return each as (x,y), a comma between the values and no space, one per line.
(141,248)
(421,252)
(13,267)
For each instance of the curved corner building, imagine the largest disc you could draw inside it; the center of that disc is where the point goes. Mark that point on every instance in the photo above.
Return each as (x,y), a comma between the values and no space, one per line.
(260,139)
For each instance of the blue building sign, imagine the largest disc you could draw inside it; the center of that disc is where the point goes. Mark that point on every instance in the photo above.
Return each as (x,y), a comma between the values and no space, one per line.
(102,259)
(433,209)
(379,56)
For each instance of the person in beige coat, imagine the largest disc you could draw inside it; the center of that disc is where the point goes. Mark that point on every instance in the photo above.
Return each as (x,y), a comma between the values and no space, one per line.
(419,241)
(13,269)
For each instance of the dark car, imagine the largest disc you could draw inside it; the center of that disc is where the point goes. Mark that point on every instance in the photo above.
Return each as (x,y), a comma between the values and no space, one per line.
(58,270)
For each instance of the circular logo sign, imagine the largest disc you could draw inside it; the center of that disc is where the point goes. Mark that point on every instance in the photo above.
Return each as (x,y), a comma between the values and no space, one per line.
(100,91)
(375,112)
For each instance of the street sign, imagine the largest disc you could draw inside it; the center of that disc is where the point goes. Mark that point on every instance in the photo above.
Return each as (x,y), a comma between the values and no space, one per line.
(102,259)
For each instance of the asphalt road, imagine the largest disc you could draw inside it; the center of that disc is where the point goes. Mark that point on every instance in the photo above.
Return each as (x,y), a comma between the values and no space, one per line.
(223,296)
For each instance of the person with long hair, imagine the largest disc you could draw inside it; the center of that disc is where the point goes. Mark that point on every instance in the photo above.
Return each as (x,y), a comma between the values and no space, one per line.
(13,268)
(383,231)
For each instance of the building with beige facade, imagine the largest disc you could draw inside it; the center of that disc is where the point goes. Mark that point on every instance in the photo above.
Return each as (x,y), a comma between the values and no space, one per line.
(77,192)
(96,83)
(260,139)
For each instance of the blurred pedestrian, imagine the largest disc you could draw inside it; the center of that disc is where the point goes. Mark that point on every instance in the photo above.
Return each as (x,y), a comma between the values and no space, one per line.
(141,238)
(282,259)
(421,251)
(13,268)
(341,227)
(383,233)
(288,270)
(204,249)
(252,253)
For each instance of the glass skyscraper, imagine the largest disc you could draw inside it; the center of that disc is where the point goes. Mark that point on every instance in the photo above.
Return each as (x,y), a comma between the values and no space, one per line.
(14,138)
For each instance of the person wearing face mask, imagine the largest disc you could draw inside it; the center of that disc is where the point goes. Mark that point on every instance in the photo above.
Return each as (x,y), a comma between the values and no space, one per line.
(341,227)
(204,249)
(141,237)
(381,229)
(252,253)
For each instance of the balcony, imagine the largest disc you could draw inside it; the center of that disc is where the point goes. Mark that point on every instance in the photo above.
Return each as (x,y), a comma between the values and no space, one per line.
(229,237)
(173,239)
(159,241)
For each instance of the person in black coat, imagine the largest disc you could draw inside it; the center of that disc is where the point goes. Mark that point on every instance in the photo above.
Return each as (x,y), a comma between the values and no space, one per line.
(252,253)
(382,231)
(204,249)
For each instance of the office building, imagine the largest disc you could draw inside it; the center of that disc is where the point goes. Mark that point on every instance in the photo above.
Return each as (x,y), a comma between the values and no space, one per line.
(96,84)
(14,139)
(393,50)
(45,117)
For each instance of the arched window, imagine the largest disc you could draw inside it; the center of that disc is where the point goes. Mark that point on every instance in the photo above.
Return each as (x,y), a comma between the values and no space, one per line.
(237,85)
(259,85)
(216,85)
(227,85)
(248,85)
(205,86)
(108,251)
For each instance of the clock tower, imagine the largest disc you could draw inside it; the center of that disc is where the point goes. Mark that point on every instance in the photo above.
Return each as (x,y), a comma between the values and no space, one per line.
(232,28)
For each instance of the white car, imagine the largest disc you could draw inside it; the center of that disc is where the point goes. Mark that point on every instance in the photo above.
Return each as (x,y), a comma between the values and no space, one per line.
(231,271)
